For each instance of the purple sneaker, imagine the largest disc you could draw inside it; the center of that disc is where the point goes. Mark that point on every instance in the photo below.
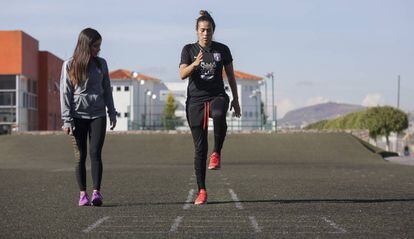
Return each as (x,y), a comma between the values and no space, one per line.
(96,198)
(84,199)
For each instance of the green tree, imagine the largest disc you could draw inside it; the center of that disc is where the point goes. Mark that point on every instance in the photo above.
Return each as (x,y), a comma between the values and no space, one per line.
(169,119)
(263,112)
(381,121)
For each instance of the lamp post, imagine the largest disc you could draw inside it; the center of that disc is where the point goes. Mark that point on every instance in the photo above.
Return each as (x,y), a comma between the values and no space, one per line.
(136,107)
(257,95)
(152,97)
(271,75)
(134,75)
(146,93)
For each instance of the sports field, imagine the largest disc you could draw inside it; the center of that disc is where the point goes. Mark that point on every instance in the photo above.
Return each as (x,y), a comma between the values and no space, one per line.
(300,185)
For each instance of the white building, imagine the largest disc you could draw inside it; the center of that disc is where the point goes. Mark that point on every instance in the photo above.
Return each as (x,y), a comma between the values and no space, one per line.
(250,96)
(137,100)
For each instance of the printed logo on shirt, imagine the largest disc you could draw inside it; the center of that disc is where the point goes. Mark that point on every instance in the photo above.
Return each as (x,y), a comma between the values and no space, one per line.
(207,70)
(217,56)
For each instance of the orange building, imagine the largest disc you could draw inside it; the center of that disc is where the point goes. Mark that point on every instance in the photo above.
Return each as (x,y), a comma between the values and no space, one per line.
(28,77)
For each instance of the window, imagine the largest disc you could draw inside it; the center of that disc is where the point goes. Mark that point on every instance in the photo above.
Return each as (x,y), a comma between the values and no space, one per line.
(30,85)
(126,115)
(118,114)
(7,98)
(7,82)
(25,100)
(126,88)
(33,101)
(8,115)
(34,88)
(118,88)
(250,114)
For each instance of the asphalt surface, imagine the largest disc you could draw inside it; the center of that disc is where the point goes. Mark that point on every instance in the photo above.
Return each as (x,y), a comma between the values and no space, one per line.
(270,186)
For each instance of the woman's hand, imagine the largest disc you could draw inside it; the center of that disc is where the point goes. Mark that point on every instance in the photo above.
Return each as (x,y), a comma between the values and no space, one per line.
(68,130)
(112,123)
(198,59)
(235,105)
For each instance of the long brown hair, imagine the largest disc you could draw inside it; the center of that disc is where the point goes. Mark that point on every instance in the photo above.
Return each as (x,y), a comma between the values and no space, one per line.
(82,55)
(205,16)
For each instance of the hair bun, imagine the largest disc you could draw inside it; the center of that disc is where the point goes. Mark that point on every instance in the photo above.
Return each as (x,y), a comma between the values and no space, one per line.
(204,13)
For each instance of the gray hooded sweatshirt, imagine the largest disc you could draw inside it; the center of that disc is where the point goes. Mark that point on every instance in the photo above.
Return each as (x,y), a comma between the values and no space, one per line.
(88,99)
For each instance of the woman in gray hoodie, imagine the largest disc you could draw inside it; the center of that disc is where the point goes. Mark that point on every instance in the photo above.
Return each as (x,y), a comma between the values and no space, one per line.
(85,93)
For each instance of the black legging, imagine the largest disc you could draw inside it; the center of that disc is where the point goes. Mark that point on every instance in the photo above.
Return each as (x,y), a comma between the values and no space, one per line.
(96,130)
(198,114)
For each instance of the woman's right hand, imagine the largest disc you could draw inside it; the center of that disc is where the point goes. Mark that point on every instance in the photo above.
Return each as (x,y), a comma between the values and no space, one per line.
(198,59)
(68,130)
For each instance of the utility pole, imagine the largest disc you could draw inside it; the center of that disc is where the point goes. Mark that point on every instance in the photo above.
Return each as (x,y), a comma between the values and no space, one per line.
(271,75)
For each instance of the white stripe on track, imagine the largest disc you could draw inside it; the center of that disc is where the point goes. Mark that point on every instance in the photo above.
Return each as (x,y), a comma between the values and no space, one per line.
(255,225)
(235,199)
(95,225)
(187,203)
(176,223)
(334,225)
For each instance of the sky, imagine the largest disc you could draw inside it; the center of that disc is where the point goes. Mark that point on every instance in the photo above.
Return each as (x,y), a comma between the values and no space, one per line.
(345,51)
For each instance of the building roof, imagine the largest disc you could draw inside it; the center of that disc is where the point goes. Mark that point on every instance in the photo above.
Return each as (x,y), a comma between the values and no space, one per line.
(245,76)
(122,74)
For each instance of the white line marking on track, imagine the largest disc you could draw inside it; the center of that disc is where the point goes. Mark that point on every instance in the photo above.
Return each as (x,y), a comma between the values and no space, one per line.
(334,225)
(163,232)
(255,225)
(235,199)
(176,223)
(187,203)
(95,225)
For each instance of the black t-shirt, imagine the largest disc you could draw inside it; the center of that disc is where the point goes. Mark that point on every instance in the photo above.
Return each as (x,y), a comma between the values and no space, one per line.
(206,80)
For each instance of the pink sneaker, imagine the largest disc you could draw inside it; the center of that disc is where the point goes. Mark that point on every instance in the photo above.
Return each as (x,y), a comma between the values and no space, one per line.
(84,199)
(97,198)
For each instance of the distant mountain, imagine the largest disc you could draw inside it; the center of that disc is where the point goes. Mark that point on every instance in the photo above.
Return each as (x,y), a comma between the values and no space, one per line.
(311,114)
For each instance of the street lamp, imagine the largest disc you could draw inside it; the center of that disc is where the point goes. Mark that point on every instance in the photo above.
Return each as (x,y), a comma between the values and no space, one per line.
(152,97)
(136,105)
(257,95)
(271,75)
(144,118)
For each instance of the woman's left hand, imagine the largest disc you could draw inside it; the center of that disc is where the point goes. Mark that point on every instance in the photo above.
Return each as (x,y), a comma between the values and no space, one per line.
(113,124)
(235,105)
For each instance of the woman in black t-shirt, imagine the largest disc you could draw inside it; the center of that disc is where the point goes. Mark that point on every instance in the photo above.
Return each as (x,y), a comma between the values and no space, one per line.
(203,63)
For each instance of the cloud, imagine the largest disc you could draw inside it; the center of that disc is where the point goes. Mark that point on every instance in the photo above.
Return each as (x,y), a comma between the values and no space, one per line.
(316,100)
(373,100)
(284,106)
